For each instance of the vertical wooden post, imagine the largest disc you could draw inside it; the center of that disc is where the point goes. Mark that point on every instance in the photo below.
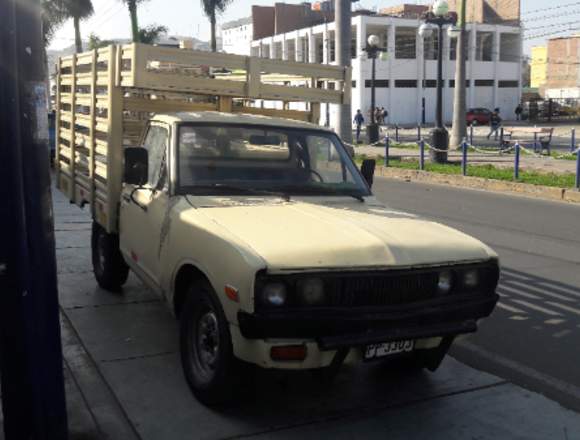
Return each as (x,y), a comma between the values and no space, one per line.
(57,128)
(225,104)
(72,140)
(92,140)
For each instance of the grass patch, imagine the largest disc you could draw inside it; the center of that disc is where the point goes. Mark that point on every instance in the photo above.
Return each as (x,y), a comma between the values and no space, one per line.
(566,180)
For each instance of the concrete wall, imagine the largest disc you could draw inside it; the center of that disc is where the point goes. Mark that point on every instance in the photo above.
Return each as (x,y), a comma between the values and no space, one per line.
(563,63)
(491,11)
(263,19)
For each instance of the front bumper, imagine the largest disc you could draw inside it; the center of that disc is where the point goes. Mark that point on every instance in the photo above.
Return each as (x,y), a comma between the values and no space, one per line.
(339,328)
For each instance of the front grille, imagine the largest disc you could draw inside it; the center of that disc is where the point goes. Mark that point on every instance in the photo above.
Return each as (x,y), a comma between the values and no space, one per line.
(380,290)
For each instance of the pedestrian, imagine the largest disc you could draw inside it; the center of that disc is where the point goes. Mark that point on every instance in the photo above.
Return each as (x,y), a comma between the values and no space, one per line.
(359,121)
(377,116)
(384,115)
(494,123)
(518,111)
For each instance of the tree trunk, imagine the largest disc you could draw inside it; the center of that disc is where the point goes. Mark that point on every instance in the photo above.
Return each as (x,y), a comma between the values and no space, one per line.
(134,24)
(213,37)
(78,41)
(459,129)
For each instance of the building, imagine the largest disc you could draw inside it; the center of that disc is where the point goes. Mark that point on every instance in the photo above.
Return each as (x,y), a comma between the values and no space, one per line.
(491,11)
(563,68)
(237,36)
(406,74)
(539,67)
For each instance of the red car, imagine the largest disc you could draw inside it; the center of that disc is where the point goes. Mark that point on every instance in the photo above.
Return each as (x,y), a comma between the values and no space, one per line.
(478,116)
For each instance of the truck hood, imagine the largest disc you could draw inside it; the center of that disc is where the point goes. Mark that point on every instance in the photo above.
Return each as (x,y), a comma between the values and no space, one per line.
(314,236)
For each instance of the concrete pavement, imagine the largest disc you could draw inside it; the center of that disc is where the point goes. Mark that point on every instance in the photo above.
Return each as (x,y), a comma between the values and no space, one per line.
(123,353)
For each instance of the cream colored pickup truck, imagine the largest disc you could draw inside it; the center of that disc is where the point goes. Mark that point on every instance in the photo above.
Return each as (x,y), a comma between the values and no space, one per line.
(269,246)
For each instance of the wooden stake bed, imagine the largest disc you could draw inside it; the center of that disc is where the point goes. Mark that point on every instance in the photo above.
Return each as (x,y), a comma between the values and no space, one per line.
(105,97)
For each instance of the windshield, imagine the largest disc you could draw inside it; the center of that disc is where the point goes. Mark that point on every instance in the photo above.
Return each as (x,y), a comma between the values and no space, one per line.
(235,159)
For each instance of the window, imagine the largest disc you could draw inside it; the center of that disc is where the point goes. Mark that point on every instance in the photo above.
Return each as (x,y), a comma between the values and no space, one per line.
(452,83)
(432,83)
(509,48)
(406,83)
(353,84)
(156,146)
(431,46)
(484,83)
(405,42)
(508,84)
(484,46)
(382,83)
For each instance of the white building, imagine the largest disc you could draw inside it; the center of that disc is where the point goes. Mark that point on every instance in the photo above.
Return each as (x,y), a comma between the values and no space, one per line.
(237,36)
(406,74)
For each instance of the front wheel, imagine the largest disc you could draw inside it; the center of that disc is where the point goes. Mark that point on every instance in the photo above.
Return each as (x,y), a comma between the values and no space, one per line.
(211,370)
(109,268)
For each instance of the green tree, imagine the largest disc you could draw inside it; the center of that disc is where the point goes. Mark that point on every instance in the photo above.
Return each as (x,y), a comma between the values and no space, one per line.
(211,9)
(151,33)
(132,6)
(56,12)
(96,43)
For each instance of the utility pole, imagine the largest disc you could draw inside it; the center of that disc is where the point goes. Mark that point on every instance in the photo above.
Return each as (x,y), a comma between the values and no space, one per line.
(31,365)
(342,36)
(459,129)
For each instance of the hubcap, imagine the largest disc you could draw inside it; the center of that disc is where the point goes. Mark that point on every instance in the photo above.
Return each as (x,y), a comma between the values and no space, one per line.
(206,343)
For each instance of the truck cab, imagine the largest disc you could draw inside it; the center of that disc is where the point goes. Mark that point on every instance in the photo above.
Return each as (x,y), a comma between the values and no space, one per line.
(267,243)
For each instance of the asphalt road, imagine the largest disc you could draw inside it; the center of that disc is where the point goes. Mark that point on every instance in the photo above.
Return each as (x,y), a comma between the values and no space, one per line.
(533,337)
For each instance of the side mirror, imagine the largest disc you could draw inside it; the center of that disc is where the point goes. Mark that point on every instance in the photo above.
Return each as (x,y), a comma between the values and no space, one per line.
(367,169)
(136,166)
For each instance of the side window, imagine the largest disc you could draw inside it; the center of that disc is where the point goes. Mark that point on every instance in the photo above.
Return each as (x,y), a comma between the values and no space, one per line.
(325,160)
(156,143)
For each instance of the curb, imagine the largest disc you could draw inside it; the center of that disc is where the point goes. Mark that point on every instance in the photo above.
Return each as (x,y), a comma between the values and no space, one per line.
(523,189)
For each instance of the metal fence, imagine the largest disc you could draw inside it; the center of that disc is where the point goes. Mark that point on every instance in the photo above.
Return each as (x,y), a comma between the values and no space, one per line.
(547,110)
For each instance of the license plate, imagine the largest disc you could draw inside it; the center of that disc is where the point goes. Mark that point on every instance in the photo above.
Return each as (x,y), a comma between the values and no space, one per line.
(387,349)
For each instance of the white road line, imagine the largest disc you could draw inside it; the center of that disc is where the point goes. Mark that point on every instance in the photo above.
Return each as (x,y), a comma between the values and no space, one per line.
(563,307)
(537,308)
(501,305)
(562,333)
(554,321)
(519,318)
(563,290)
(517,292)
(538,290)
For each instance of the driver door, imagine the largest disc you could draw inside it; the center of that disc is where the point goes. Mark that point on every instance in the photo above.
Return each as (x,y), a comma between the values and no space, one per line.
(144,209)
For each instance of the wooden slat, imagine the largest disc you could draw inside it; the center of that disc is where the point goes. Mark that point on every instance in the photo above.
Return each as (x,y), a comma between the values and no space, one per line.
(278,92)
(72,126)
(301,69)
(165,105)
(287,114)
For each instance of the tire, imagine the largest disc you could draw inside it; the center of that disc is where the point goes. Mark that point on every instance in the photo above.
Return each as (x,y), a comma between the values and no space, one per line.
(213,373)
(109,267)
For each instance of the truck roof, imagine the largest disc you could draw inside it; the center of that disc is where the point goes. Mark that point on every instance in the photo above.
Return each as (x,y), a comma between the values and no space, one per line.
(233,118)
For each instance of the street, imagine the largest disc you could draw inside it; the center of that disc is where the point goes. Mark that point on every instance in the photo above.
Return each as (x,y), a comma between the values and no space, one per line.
(122,349)
(537,322)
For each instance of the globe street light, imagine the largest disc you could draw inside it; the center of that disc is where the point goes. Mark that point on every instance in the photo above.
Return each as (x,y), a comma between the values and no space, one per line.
(437,18)
(372,49)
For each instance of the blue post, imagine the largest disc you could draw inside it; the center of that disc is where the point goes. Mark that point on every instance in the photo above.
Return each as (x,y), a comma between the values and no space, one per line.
(418,132)
(387,142)
(573,140)
(517,162)
(501,137)
(536,143)
(421,154)
(397,133)
(464,157)
(578,170)
(471,134)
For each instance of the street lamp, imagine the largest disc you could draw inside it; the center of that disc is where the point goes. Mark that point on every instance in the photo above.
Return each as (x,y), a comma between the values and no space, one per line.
(373,49)
(437,18)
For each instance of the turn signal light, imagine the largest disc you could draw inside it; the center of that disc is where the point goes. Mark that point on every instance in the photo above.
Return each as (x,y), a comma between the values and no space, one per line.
(288,353)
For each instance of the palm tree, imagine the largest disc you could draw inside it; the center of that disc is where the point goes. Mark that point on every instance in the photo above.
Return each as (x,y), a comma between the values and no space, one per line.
(211,9)
(132,6)
(78,10)
(151,33)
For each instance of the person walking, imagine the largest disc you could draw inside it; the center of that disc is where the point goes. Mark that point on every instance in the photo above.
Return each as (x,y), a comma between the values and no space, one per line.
(359,121)
(518,111)
(494,123)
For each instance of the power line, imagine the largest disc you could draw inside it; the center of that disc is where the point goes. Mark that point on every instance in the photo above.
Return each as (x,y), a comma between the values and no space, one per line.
(551,8)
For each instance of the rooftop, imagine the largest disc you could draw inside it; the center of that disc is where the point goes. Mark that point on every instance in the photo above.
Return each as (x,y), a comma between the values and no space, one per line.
(237,23)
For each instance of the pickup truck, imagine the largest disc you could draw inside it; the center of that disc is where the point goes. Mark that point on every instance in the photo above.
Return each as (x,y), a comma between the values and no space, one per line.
(267,243)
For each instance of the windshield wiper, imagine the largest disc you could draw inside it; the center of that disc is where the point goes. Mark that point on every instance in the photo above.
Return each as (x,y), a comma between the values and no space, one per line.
(317,191)
(244,189)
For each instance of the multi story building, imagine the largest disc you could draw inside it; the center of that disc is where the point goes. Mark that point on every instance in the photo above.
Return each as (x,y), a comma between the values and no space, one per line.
(406,74)
(539,67)
(563,68)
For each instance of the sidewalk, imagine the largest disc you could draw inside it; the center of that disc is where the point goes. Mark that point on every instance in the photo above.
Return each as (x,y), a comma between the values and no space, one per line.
(123,352)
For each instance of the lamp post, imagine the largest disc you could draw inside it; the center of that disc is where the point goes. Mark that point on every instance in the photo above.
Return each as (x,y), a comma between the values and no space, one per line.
(372,49)
(437,18)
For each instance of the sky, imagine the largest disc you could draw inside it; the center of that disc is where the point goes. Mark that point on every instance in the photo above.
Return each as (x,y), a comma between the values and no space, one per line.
(185,18)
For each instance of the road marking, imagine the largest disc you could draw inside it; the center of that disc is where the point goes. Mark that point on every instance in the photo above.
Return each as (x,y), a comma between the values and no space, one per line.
(562,333)
(566,290)
(517,292)
(519,318)
(537,308)
(563,307)
(509,308)
(539,291)
(554,321)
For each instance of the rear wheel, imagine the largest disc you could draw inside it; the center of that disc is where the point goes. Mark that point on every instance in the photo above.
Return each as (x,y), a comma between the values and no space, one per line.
(212,372)
(109,268)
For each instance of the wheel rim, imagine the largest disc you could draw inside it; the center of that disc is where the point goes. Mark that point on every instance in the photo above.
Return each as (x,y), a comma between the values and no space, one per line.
(206,344)
(101,259)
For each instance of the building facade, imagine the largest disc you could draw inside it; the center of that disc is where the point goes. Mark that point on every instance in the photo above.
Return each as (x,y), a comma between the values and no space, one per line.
(563,68)
(237,36)
(406,73)
(539,67)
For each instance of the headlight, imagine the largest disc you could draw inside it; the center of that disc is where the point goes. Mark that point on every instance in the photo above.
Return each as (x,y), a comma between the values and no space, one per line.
(274,294)
(311,291)
(445,282)
(471,278)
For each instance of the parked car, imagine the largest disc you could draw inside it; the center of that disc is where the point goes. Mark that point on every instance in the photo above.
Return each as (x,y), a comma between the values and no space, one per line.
(478,116)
